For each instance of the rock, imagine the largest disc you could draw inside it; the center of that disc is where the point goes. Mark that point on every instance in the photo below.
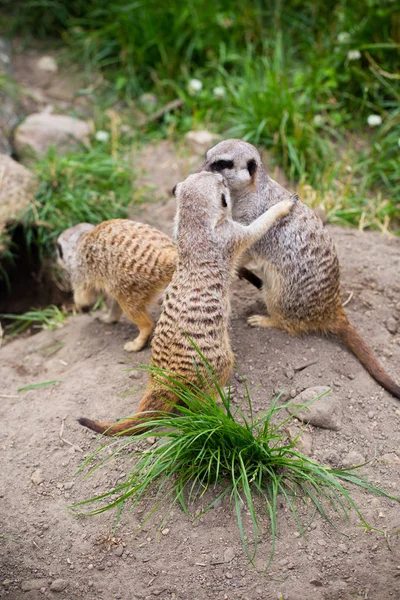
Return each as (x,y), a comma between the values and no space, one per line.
(316,582)
(47,63)
(33,584)
(58,585)
(9,104)
(391,325)
(165,531)
(17,187)
(136,374)
(229,554)
(119,550)
(325,412)
(352,459)
(289,372)
(68,485)
(200,141)
(39,131)
(37,477)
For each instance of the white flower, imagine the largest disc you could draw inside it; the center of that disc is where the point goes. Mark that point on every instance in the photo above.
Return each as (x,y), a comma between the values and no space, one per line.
(318,120)
(219,92)
(102,136)
(195,86)
(353,55)
(343,37)
(374,120)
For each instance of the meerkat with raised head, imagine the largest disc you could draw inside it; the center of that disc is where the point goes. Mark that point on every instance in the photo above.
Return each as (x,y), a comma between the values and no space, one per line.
(130,262)
(300,268)
(196,304)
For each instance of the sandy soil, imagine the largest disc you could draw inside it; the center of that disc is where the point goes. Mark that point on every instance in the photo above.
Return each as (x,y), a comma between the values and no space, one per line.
(203,559)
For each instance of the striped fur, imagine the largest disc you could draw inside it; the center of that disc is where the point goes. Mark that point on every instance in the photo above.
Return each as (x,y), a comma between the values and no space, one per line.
(130,262)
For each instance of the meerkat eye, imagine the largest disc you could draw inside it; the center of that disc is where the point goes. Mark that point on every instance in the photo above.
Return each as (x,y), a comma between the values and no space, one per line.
(223,201)
(60,251)
(251,167)
(220,165)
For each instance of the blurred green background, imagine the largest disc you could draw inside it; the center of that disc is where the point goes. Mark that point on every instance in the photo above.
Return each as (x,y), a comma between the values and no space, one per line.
(316,83)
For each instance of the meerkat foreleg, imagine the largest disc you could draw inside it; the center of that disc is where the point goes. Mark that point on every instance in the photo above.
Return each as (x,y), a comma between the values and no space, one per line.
(114,313)
(142,319)
(247,235)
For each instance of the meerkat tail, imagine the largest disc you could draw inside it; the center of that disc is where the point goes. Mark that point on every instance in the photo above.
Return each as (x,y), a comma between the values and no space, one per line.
(353,340)
(126,427)
(250,277)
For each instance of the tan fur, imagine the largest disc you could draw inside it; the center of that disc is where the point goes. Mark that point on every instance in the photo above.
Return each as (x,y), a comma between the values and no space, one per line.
(196,302)
(301,279)
(130,262)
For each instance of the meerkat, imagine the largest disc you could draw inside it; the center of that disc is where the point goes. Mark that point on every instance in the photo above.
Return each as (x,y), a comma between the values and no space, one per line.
(130,262)
(297,257)
(196,303)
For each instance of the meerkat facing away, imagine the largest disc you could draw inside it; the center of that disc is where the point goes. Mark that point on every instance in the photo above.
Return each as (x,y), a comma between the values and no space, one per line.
(131,262)
(300,268)
(196,303)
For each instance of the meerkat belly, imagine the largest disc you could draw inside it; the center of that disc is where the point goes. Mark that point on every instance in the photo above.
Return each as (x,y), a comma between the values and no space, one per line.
(301,268)
(193,320)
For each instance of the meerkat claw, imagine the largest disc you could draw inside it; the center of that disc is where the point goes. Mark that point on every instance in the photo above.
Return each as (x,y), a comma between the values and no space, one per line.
(260,321)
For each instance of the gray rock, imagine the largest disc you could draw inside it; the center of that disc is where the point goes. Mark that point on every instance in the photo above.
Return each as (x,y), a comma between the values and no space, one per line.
(37,477)
(33,584)
(48,64)
(16,191)
(353,458)
(58,585)
(9,103)
(200,141)
(229,554)
(325,412)
(391,325)
(39,131)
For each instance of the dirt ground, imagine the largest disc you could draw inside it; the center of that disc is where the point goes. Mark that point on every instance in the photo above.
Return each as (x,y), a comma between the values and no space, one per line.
(203,559)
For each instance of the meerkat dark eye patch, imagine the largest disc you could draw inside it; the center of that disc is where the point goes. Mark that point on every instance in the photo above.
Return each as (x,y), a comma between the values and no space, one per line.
(223,201)
(251,167)
(60,251)
(220,165)
(174,190)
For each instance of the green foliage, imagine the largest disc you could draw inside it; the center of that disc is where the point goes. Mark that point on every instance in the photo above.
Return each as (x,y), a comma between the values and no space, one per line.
(219,449)
(300,78)
(88,186)
(50,317)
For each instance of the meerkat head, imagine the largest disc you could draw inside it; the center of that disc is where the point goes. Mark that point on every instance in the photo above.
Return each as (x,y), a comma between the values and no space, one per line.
(202,198)
(67,243)
(238,161)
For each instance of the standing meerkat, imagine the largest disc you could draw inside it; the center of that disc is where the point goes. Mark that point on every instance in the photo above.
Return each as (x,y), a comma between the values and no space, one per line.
(131,262)
(300,268)
(196,303)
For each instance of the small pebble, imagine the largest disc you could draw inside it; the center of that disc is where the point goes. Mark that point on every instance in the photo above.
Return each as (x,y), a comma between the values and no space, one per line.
(37,477)
(58,585)
(165,531)
(391,325)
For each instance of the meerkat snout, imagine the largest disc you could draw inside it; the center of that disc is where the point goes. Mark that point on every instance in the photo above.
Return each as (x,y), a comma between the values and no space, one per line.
(236,160)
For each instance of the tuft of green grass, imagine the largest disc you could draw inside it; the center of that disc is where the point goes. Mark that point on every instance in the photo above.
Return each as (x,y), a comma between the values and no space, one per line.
(207,447)
(50,317)
(88,186)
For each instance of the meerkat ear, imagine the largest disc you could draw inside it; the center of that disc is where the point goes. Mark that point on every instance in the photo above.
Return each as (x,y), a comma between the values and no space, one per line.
(60,251)
(251,167)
